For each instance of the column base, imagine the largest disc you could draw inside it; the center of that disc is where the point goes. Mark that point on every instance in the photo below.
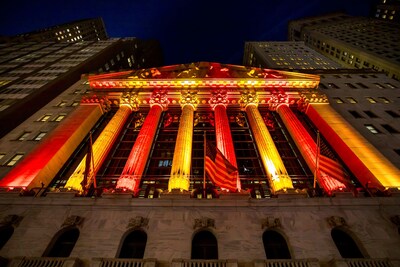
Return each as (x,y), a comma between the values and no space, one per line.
(292,193)
(237,195)
(62,193)
(175,193)
(117,194)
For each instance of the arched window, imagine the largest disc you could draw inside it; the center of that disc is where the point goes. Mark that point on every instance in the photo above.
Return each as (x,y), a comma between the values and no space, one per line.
(275,245)
(5,234)
(133,245)
(63,243)
(204,246)
(345,244)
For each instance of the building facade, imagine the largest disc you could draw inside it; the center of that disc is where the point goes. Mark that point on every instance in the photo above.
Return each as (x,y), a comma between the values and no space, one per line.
(75,31)
(353,42)
(123,175)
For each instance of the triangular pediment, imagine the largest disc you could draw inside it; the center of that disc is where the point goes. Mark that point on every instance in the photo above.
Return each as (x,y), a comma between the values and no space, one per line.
(202,74)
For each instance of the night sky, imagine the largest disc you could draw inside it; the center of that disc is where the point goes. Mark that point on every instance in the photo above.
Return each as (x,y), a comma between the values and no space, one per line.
(189,31)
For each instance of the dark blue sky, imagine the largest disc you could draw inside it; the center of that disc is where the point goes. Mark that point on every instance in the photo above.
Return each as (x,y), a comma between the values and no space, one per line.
(189,31)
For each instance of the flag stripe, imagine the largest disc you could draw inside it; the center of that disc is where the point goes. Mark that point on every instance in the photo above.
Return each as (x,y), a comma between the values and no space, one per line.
(220,171)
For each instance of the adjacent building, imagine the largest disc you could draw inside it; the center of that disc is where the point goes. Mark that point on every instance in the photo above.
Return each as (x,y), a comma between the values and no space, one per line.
(81,30)
(353,42)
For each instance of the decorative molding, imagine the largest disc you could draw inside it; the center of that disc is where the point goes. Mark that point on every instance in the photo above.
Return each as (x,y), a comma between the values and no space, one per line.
(73,220)
(11,220)
(138,222)
(276,99)
(218,97)
(204,222)
(248,97)
(159,97)
(271,222)
(103,101)
(189,98)
(130,99)
(336,221)
(240,120)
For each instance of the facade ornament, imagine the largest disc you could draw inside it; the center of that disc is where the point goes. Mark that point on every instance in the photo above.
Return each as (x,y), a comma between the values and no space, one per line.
(276,99)
(159,97)
(130,99)
(204,222)
(138,120)
(189,98)
(11,220)
(302,103)
(138,222)
(240,120)
(248,97)
(271,222)
(218,97)
(336,221)
(104,102)
(73,221)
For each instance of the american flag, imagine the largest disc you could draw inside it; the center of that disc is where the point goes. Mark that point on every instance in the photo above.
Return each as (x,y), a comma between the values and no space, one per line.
(220,171)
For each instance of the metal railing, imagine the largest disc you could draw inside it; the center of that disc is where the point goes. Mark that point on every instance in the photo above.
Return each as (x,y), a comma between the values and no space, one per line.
(364,263)
(287,263)
(203,263)
(44,262)
(112,262)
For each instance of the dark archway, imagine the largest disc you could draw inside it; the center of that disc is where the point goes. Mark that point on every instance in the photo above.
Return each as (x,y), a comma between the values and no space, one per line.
(204,246)
(345,244)
(275,245)
(63,243)
(5,234)
(133,245)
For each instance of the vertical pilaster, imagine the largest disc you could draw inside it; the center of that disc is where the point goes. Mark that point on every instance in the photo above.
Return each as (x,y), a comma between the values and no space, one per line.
(272,161)
(134,167)
(223,134)
(181,162)
(103,144)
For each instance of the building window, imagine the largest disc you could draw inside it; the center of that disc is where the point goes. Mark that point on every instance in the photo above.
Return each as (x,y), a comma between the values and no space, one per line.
(350,85)
(371,100)
(355,114)
(384,100)
(338,100)
(63,243)
(59,118)
(389,128)
(14,159)
(370,114)
(2,155)
(332,85)
(351,100)
(62,104)
(345,244)
(397,150)
(372,129)
(24,136)
(134,245)
(204,246)
(39,136)
(392,113)
(45,118)
(75,103)
(5,234)
(275,245)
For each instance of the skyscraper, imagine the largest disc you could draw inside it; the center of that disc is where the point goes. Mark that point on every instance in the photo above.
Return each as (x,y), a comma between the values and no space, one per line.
(353,42)
(80,30)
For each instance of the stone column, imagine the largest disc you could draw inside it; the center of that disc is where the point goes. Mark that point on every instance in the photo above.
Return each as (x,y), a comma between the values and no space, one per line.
(134,167)
(223,134)
(330,174)
(181,162)
(278,177)
(103,144)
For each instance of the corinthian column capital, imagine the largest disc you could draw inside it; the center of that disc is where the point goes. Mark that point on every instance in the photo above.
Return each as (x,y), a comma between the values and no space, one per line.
(130,99)
(276,99)
(248,97)
(189,98)
(159,97)
(218,97)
